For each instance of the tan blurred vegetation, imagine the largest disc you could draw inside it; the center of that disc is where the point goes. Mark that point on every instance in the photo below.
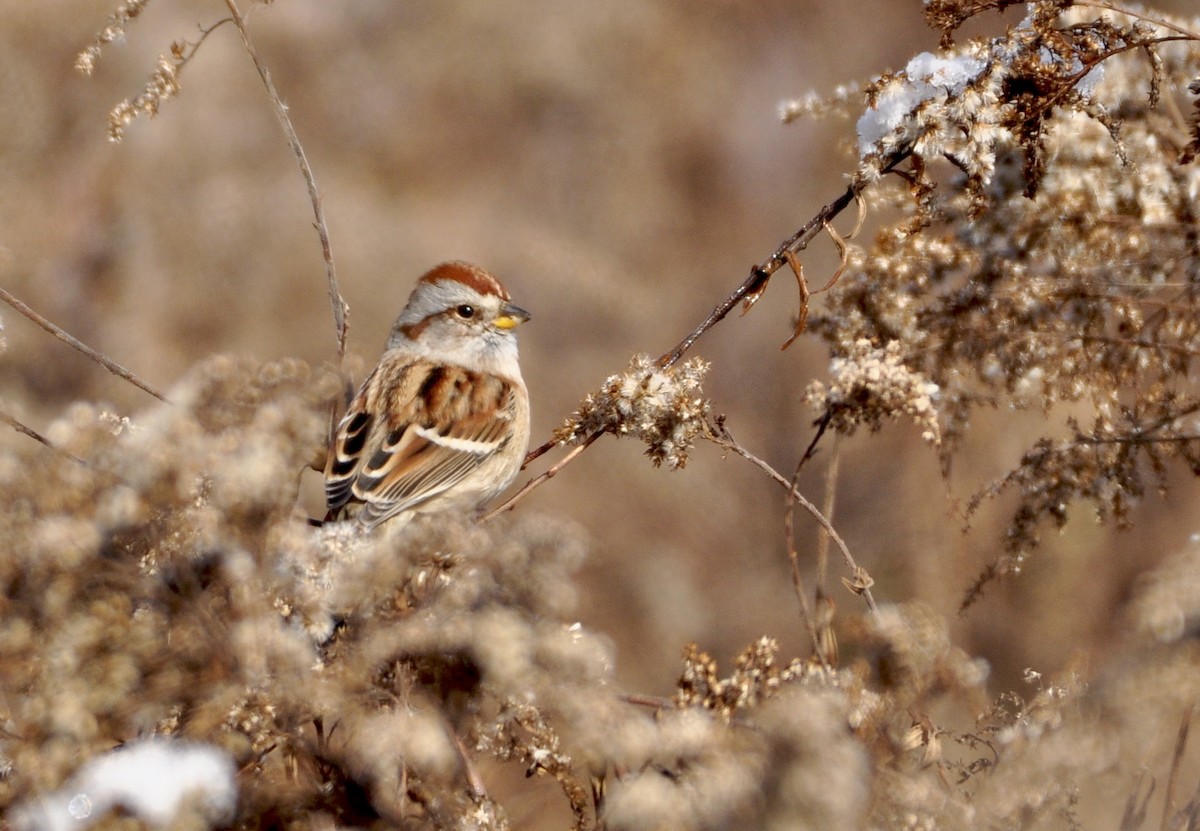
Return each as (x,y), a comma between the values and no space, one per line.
(619,166)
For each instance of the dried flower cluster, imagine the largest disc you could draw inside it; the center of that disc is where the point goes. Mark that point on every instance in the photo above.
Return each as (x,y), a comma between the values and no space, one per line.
(114,29)
(168,591)
(986,97)
(1028,762)
(1167,604)
(662,406)
(1054,261)
(163,83)
(162,86)
(868,384)
(757,676)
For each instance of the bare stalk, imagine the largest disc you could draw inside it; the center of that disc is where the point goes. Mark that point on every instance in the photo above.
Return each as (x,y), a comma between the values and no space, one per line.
(860,583)
(749,292)
(36,436)
(831,477)
(806,613)
(1181,739)
(806,616)
(754,285)
(104,361)
(550,473)
(340,309)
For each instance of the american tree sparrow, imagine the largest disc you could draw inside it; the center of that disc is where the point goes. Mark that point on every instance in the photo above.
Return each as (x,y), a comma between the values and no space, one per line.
(442,422)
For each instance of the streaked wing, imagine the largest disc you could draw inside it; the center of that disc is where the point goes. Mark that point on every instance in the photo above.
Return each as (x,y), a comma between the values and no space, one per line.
(414,430)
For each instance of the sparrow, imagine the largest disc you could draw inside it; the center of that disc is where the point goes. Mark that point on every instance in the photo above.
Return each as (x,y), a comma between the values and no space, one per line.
(442,422)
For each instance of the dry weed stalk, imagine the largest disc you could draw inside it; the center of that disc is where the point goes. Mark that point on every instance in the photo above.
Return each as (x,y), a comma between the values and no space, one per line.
(70,340)
(341,310)
(164,85)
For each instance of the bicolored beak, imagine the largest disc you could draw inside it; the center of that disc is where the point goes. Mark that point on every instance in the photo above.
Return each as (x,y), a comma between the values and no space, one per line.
(511,317)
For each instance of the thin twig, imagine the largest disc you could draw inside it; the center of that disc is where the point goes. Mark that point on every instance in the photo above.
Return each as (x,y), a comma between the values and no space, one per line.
(340,309)
(470,771)
(760,274)
(806,613)
(549,445)
(1181,739)
(861,580)
(642,700)
(749,291)
(822,600)
(806,617)
(831,476)
(36,436)
(550,473)
(1140,16)
(70,340)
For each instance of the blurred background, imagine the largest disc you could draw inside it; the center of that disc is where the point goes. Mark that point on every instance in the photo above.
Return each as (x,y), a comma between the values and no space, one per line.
(620,166)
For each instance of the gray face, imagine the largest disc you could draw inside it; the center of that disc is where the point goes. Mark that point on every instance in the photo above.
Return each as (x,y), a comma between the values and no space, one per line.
(451,321)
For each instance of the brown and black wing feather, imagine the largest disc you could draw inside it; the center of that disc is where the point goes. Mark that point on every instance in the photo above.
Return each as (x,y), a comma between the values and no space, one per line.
(414,430)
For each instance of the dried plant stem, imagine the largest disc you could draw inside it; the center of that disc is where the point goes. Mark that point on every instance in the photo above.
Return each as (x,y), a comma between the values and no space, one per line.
(21,428)
(1181,739)
(760,274)
(470,771)
(36,436)
(721,438)
(340,309)
(550,473)
(1140,15)
(542,449)
(806,616)
(822,541)
(104,361)
(749,291)
(831,477)
(656,702)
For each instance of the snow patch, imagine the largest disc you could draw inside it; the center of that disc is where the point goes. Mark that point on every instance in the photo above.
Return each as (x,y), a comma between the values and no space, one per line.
(928,77)
(149,779)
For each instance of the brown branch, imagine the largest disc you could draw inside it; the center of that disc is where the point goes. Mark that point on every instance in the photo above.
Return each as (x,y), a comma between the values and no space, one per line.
(36,436)
(748,292)
(760,274)
(340,309)
(1181,739)
(550,473)
(793,554)
(861,582)
(547,446)
(806,616)
(642,700)
(104,361)
(1189,35)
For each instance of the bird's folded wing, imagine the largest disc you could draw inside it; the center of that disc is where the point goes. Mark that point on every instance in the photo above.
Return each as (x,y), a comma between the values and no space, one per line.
(405,442)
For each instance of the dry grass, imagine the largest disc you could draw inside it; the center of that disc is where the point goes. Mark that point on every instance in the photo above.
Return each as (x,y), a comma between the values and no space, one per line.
(1024,295)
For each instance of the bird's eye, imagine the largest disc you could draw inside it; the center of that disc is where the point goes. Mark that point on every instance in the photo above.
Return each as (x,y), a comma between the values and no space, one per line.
(466,311)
